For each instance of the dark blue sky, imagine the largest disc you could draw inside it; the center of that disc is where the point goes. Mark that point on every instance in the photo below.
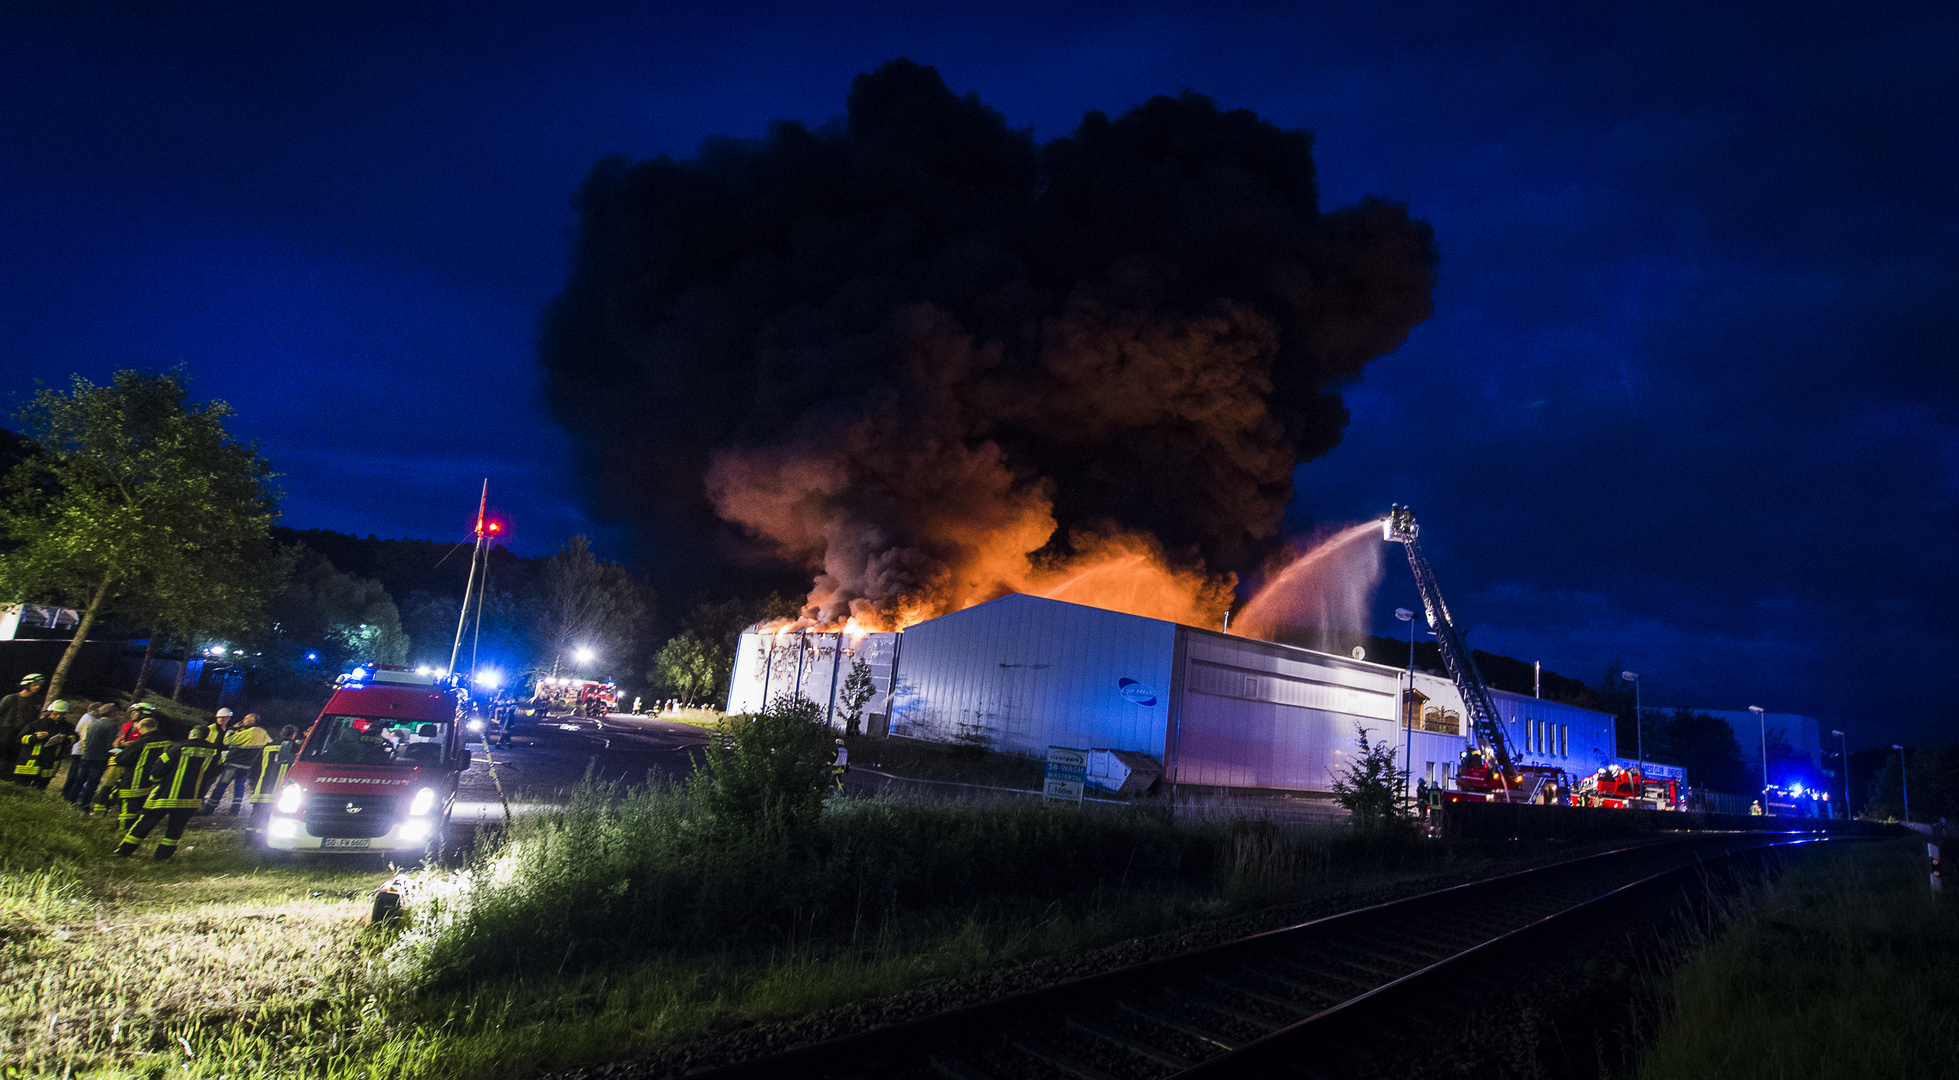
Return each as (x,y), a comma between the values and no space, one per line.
(1687,402)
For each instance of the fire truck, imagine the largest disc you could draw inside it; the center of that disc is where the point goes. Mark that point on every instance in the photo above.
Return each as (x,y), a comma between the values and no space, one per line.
(1617,787)
(580,697)
(1488,772)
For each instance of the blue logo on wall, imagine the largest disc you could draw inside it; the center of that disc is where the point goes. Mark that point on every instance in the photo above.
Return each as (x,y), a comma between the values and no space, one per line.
(1141,693)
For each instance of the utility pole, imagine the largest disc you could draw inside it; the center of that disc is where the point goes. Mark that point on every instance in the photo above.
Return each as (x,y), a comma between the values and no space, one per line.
(1904,780)
(462,617)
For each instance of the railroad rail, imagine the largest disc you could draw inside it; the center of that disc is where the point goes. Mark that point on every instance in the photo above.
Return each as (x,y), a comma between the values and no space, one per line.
(1295,1000)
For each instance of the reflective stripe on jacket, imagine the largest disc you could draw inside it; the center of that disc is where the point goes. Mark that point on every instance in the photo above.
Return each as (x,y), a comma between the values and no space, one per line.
(182,772)
(41,755)
(136,759)
(273,761)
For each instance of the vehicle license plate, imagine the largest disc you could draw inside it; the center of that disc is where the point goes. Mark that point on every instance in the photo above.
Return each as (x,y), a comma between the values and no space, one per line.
(356,842)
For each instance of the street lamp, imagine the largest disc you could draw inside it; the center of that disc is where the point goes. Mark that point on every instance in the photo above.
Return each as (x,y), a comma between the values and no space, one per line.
(1761,717)
(1843,763)
(1408,699)
(583,654)
(1639,728)
(1903,779)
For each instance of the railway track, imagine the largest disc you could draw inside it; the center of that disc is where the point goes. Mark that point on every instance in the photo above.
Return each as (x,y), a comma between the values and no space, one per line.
(1309,1000)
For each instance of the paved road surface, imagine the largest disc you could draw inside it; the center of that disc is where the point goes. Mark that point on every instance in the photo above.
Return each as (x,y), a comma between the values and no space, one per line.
(547,758)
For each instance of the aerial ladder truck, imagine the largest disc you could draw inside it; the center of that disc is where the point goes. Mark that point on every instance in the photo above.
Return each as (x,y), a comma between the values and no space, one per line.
(1488,772)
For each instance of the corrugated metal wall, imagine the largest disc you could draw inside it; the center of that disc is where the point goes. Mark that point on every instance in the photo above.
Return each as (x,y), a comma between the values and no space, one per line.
(1257,714)
(1024,673)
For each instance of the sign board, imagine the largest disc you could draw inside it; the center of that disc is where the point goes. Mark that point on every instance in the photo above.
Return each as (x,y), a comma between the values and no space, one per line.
(1067,774)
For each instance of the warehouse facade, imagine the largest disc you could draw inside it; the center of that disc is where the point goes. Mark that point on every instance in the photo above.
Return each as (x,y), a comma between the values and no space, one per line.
(1023,673)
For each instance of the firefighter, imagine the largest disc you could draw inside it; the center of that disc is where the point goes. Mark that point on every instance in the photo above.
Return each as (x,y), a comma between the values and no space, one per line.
(124,783)
(241,763)
(274,758)
(18,710)
(41,750)
(181,771)
(841,765)
(221,726)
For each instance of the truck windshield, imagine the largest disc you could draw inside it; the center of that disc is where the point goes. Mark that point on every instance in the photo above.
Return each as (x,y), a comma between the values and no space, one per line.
(368,740)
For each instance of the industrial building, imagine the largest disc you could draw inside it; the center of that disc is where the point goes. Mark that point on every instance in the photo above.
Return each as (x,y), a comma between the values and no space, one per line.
(1022,673)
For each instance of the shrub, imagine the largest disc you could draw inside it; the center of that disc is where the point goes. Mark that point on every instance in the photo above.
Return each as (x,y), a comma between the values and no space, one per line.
(770,770)
(1372,788)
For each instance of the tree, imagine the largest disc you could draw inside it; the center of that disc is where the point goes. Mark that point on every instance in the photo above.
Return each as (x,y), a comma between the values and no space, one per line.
(1372,789)
(857,692)
(337,617)
(585,602)
(1704,745)
(136,497)
(719,626)
(685,667)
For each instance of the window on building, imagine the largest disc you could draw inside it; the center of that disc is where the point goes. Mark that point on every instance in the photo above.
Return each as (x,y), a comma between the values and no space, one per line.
(1564,740)
(1412,701)
(1429,773)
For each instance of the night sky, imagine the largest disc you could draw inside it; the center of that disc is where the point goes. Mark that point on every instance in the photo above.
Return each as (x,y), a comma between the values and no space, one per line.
(1686,405)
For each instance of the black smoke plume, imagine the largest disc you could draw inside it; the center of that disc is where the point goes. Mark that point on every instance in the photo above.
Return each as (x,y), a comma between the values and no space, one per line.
(927,360)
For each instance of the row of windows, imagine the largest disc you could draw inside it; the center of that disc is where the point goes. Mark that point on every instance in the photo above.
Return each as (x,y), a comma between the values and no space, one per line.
(1544,737)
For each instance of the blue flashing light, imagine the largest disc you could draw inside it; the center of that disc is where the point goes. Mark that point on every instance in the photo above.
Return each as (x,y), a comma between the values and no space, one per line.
(312,658)
(359,673)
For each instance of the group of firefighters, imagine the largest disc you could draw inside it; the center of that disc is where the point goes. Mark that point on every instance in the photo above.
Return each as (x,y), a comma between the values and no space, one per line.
(129,762)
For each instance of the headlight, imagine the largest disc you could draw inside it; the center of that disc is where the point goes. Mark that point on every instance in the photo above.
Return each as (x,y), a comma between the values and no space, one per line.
(476,725)
(289,799)
(424,802)
(284,828)
(415,830)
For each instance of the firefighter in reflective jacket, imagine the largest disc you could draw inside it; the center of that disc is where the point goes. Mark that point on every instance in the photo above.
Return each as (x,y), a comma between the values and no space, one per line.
(44,746)
(181,772)
(124,783)
(274,759)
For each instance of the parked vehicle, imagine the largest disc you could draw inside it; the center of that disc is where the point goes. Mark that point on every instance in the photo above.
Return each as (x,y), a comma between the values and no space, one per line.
(378,771)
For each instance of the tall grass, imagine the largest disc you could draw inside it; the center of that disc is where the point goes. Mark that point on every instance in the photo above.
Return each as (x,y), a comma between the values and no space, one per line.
(617,877)
(1845,969)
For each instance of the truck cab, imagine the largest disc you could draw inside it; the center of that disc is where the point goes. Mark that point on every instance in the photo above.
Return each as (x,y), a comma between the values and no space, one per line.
(377,772)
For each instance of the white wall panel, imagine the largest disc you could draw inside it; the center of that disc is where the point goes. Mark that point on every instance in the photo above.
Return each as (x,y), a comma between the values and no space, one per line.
(807,663)
(1025,672)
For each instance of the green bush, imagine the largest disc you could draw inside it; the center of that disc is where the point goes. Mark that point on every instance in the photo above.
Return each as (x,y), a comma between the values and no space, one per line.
(768,771)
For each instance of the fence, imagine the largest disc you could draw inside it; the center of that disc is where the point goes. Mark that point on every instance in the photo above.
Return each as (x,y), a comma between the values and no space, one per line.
(1505,821)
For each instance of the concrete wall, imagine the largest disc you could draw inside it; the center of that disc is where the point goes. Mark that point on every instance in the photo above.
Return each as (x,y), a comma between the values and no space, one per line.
(1025,673)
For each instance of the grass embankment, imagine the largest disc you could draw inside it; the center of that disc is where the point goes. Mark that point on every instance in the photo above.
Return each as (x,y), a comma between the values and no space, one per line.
(626,925)
(1846,968)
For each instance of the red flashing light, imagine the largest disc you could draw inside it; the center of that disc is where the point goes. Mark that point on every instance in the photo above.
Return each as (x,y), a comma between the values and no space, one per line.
(494,527)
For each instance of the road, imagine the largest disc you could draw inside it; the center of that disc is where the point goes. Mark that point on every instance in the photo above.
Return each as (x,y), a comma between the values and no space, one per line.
(546,759)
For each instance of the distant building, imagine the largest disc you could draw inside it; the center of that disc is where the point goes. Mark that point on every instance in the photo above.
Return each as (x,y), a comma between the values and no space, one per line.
(1021,673)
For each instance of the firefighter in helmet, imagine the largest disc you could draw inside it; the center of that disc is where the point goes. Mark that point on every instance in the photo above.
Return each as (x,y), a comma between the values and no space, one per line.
(18,711)
(42,748)
(181,772)
(841,765)
(124,783)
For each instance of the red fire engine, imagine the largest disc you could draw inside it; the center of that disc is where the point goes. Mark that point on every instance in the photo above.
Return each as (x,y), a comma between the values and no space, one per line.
(1618,788)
